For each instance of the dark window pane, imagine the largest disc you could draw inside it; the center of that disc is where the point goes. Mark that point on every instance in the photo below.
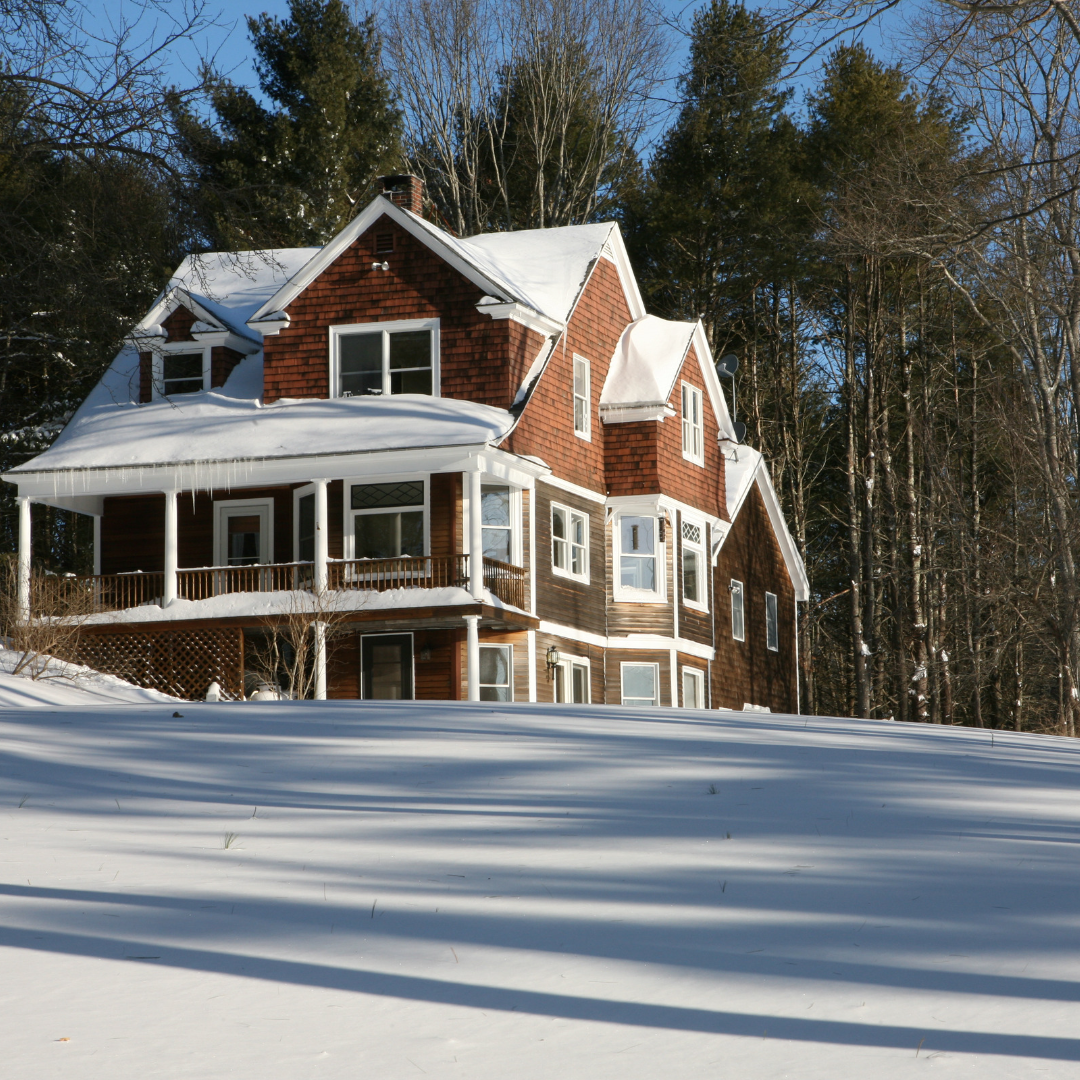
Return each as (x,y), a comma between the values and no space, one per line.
(182,373)
(378,536)
(411,382)
(243,540)
(360,359)
(410,349)
(412,533)
(307,529)
(376,496)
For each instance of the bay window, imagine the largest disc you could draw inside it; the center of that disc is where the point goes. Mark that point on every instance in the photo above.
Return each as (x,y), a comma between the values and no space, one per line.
(497,519)
(640,684)
(496,673)
(388,519)
(639,569)
(694,581)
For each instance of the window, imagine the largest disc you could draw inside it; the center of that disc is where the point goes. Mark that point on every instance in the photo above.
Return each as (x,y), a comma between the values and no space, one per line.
(496,673)
(772,628)
(637,554)
(694,584)
(181,372)
(304,524)
(497,522)
(693,689)
(242,532)
(569,542)
(738,622)
(693,437)
(386,667)
(388,519)
(388,358)
(582,398)
(640,684)
(572,681)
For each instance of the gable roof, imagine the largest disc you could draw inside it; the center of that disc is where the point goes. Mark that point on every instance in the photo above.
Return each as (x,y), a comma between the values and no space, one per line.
(647,361)
(544,270)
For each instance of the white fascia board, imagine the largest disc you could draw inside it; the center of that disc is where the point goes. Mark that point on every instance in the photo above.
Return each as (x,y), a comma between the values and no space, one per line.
(226,339)
(629,414)
(575,489)
(783,536)
(379,207)
(80,504)
(627,277)
(700,342)
(652,642)
(519,313)
(536,369)
(271,472)
(176,296)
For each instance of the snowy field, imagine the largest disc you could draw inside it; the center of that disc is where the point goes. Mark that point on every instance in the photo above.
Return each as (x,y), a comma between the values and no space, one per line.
(392,891)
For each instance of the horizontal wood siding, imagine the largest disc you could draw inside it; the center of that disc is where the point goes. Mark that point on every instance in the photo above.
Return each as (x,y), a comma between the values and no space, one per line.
(633,618)
(545,681)
(561,599)
(343,666)
(617,657)
(747,672)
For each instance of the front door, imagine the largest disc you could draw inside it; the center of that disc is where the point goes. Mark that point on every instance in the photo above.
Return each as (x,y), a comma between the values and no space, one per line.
(386,667)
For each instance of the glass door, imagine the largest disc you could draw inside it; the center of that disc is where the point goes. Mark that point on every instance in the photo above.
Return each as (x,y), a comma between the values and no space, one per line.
(386,667)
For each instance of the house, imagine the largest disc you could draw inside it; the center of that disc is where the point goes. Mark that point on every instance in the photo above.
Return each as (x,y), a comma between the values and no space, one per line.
(516,483)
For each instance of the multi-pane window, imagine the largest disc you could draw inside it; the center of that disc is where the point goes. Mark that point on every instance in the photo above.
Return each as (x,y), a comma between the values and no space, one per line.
(693,564)
(569,542)
(738,620)
(497,522)
(693,435)
(640,684)
(693,689)
(572,681)
(772,626)
(243,530)
(496,673)
(581,397)
(182,373)
(388,519)
(637,553)
(374,360)
(305,528)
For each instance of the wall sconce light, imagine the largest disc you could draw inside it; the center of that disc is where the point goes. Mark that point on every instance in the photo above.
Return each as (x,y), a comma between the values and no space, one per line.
(380,266)
(425,654)
(552,658)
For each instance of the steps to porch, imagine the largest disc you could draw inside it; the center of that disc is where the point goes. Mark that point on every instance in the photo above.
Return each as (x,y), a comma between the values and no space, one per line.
(98,593)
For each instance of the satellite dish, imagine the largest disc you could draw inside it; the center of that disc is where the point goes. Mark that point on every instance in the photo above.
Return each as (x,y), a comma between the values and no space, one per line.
(727,366)
(740,431)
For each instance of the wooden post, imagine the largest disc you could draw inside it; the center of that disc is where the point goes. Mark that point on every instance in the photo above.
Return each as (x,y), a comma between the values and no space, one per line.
(24,558)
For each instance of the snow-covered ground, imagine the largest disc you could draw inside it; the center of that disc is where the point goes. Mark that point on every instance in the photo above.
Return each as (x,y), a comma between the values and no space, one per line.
(480,891)
(67,684)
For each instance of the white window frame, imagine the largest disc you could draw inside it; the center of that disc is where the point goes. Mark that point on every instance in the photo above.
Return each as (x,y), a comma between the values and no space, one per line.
(158,367)
(516,541)
(698,548)
(567,571)
(566,665)
(698,676)
(385,328)
(509,648)
(693,433)
(741,593)
(298,494)
(586,431)
(622,682)
(229,507)
(772,622)
(626,594)
(349,514)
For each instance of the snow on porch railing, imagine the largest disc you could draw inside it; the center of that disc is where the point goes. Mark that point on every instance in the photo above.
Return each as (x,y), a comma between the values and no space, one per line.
(507,582)
(418,572)
(210,581)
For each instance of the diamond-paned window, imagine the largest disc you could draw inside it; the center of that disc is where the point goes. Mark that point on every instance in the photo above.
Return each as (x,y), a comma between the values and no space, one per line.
(376,496)
(691,533)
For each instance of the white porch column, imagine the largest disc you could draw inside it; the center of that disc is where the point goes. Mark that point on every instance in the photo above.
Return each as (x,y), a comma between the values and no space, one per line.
(530,638)
(321,538)
(476,536)
(24,558)
(320,661)
(674,679)
(171,556)
(472,649)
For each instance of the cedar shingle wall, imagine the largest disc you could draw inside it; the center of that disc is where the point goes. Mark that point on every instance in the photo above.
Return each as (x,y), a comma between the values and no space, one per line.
(479,356)
(747,672)
(133,534)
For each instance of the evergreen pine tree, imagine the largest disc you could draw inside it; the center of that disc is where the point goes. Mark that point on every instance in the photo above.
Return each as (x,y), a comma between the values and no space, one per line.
(294,174)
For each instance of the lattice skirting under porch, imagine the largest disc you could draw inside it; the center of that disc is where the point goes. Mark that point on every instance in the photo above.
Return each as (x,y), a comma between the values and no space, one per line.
(182,663)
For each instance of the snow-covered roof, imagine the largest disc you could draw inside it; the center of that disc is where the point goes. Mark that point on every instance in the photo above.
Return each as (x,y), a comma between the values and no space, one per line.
(229,286)
(229,425)
(544,270)
(647,362)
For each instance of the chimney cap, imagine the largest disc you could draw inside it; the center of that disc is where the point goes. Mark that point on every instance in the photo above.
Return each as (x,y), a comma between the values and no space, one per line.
(405,190)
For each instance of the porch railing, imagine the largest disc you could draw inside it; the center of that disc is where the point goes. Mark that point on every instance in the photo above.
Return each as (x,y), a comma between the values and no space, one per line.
(116,592)
(381,575)
(507,582)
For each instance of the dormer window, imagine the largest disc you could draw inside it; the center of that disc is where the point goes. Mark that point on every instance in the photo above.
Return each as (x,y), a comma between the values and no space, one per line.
(184,370)
(377,359)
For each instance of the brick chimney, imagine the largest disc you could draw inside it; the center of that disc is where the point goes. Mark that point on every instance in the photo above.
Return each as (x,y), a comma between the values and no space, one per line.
(405,190)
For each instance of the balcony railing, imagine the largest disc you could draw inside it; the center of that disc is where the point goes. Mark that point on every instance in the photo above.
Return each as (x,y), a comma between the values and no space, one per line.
(93,593)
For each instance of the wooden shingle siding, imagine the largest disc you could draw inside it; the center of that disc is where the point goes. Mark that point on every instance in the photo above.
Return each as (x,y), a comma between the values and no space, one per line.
(178,324)
(748,672)
(133,534)
(546,428)
(222,361)
(479,356)
(561,599)
(632,457)
(445,513)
